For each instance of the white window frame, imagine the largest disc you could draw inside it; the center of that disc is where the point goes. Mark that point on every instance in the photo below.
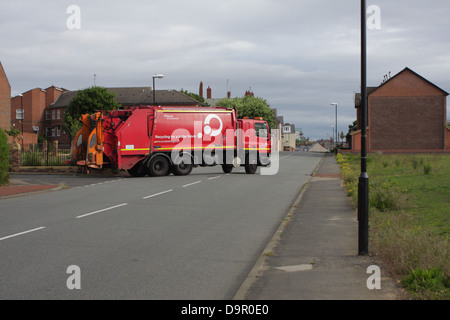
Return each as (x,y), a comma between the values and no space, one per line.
(20,114)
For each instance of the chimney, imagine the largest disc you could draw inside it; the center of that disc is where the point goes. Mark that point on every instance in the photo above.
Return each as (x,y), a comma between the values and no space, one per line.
(229,94)
(208,93)
(200,90)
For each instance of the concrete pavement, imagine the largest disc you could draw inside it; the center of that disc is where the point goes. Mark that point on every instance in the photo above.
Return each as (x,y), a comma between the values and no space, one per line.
(314,254)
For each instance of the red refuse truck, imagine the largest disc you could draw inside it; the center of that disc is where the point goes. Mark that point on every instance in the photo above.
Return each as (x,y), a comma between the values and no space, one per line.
(157,140)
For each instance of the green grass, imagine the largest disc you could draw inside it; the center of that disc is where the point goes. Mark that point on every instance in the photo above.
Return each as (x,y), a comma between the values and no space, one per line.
(409,198)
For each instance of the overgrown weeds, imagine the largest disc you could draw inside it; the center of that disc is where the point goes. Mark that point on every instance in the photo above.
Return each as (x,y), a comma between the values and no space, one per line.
(409,217)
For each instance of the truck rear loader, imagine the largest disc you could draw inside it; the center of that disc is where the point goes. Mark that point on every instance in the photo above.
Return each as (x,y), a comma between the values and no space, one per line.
(157,140)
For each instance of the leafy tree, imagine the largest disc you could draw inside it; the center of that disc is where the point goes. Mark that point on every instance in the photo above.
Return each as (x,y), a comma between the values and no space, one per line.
(14,133)
(4,158)
(197,97)
(89,101)
(250,106)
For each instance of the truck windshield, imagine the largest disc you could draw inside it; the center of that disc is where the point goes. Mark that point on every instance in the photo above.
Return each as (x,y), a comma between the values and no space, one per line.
(261,129)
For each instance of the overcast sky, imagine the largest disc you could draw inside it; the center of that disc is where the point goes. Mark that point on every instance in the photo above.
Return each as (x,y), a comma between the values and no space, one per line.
(299,55)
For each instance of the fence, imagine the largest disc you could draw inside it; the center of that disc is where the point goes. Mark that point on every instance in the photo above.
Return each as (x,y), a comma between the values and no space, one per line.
(41,155)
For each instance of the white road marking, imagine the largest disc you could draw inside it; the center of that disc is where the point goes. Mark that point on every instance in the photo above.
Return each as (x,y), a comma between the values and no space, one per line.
(214,177)
(191,184)
(91,213)
(20,233)
(157,194)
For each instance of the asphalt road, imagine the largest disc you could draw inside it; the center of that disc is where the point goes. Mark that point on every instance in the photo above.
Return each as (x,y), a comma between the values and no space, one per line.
(190,237)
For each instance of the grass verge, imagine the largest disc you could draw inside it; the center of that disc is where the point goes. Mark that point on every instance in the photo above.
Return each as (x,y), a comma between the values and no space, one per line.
(409,219)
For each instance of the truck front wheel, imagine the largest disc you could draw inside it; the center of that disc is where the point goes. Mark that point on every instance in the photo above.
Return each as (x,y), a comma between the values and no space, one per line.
(158,166)
(251,163)
(227,168)
(250,168)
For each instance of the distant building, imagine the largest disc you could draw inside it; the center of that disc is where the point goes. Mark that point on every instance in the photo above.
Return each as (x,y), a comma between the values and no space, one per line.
(406,113)
(27,112)
(5,100)
(289,137)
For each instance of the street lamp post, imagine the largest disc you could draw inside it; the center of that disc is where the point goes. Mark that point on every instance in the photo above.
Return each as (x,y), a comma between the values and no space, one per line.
(335,127)
(23,116)
(332,136)
(363,183)
(156,76)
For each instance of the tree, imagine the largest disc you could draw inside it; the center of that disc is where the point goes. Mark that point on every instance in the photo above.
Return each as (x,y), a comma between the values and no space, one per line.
(197,97)
(4,158)
(250,106)
(89,101)
(14,133)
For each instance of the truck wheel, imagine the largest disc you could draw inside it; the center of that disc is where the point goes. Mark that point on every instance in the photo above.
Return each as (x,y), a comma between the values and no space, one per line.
(250,168)
(182,169)
(158,166)
(250,164)
(137,170)
(227,168)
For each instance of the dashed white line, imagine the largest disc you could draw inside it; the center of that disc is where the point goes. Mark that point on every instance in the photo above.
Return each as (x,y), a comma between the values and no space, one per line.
(157,194)
(191,184)
(101,210)
(20,233)
(214,177)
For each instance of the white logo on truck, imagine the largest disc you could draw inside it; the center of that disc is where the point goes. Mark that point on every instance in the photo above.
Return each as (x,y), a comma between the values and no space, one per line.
(207,128)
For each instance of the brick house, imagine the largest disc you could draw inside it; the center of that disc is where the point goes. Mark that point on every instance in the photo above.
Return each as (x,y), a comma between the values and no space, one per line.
(406,113)
(5,100)
(127,97)
(27,112)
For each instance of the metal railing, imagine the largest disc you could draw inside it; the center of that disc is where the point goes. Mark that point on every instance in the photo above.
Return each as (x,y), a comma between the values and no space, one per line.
(37,155)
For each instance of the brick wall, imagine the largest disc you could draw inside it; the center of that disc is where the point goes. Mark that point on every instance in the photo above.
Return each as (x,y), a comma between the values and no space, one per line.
(406,123)
(33,106)
(407,113)
(5,100)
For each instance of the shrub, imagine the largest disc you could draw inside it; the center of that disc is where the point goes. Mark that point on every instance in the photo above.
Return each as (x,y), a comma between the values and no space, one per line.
(427,168)
(4,158)
(415,163)
(420,281)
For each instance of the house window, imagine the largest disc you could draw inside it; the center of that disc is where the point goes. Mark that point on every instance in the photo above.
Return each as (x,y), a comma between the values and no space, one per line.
(53,115)
(53,132)
(19,114)
(58,114)
(47,132)
(47,115)
(58,131)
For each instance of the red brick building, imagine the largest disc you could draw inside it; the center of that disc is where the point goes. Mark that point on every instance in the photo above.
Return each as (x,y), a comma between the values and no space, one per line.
(5,100)
(406,113)
(28,112)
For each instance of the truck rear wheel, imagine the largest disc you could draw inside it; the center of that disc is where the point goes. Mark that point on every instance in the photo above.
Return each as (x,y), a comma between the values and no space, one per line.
(182,169)
(158,166)
(137,170)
